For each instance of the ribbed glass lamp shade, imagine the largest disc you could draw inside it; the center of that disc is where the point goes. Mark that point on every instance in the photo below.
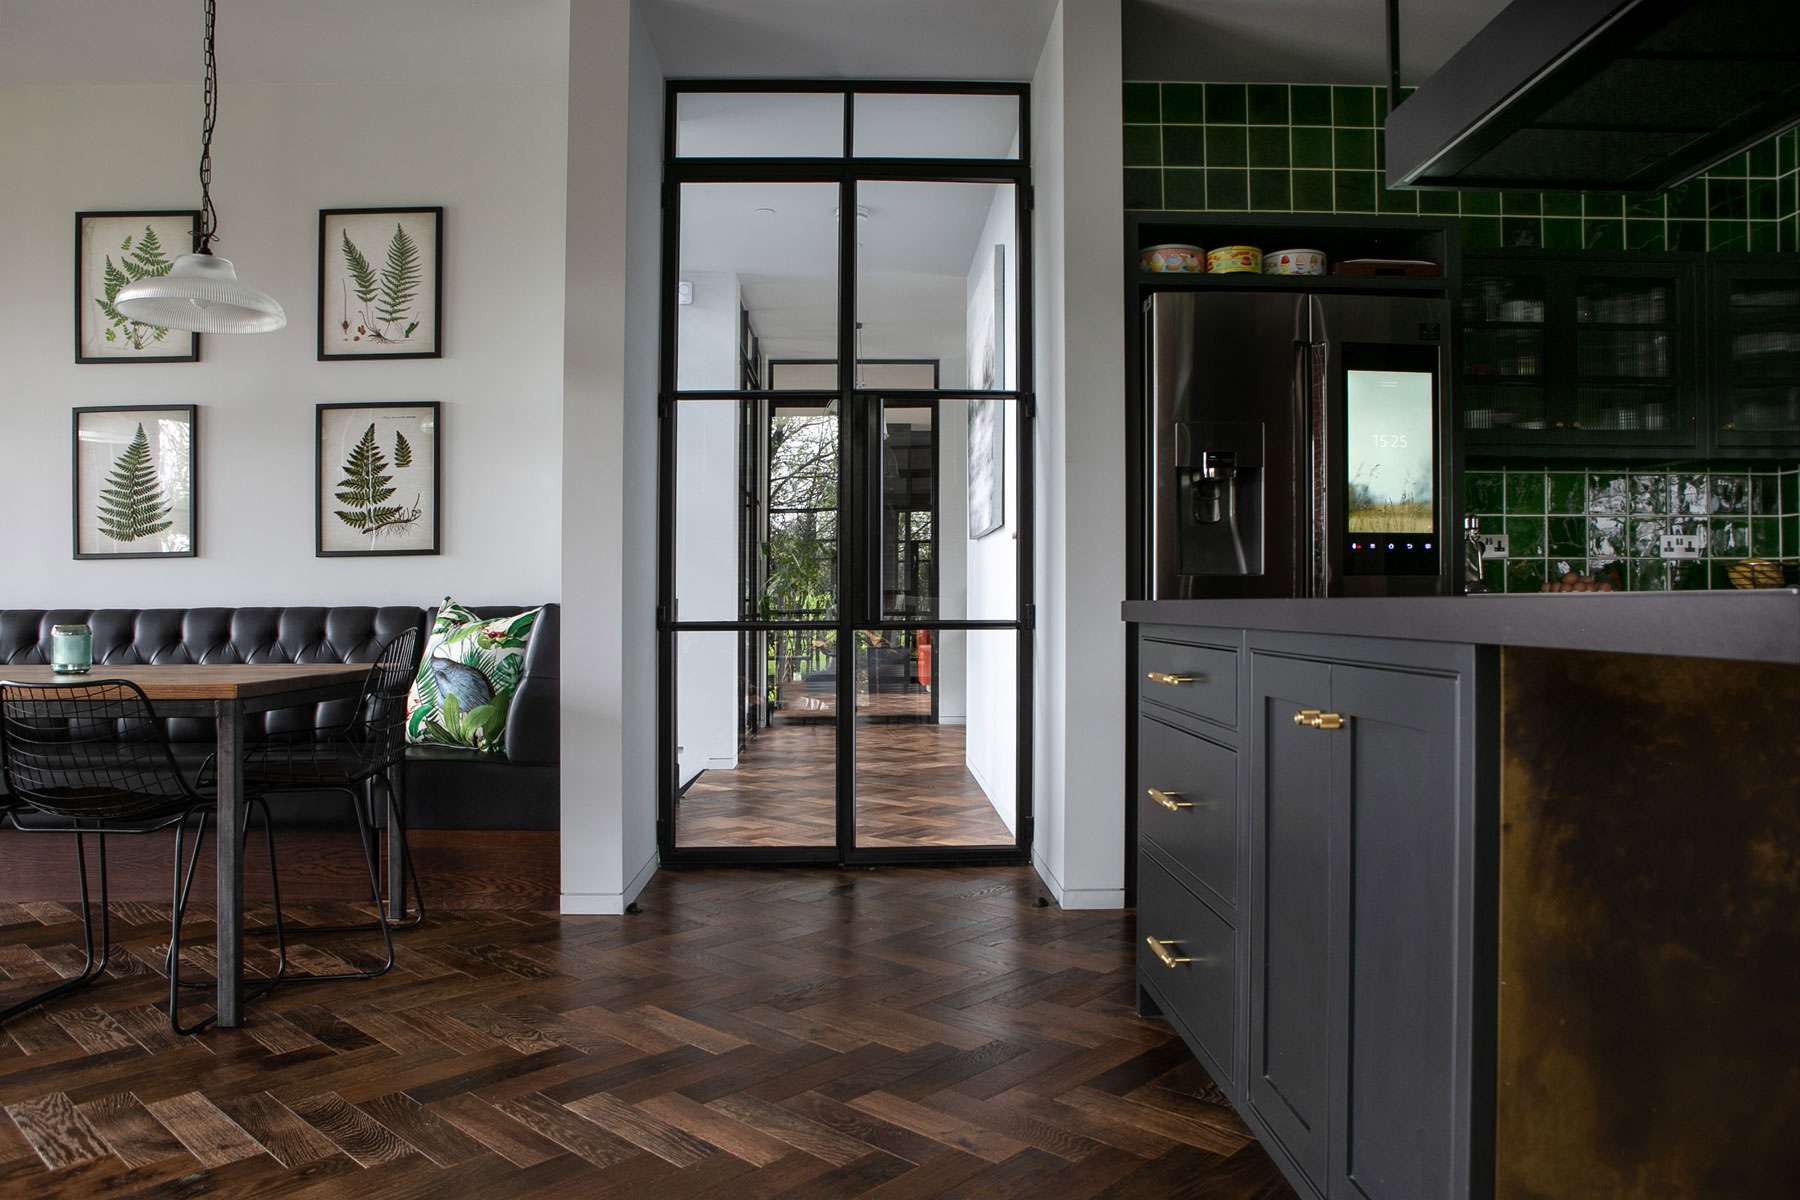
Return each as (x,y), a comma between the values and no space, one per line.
(201,292)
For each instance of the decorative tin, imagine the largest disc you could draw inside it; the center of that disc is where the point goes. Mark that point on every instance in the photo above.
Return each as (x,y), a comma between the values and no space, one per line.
(1171,257)
(1229,259)
(1294,262)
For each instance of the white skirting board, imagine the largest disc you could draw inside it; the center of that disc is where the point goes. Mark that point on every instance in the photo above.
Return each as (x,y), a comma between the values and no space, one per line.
(608,904)
(1076,897)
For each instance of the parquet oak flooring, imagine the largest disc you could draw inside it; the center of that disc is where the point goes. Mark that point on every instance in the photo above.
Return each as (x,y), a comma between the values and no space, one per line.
(913,788)
(790,1034)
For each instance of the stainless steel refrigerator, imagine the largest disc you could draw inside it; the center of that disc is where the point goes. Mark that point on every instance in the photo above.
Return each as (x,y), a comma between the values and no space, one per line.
(1300,444)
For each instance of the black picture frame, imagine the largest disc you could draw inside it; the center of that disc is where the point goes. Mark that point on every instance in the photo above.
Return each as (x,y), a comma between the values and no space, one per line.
(102,229)
(102,425)
(358,334)
(334,423)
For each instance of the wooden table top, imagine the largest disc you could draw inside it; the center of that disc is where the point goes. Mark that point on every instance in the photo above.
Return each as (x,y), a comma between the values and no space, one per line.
(222,681)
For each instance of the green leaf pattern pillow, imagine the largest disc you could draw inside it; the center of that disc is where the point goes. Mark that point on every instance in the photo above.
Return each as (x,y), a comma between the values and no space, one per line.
(467,679)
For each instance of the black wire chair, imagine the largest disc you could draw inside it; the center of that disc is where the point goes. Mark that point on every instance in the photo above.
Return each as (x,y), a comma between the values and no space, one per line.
(93,757)
(367,750)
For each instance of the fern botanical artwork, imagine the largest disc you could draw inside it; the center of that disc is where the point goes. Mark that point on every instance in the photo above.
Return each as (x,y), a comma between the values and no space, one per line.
(134,482)
(113,249)
(377,479)
(380,283)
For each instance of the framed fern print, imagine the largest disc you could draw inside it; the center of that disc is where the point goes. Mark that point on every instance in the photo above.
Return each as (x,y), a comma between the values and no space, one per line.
(377,480)
(134,488)
(113,249)
(381,288)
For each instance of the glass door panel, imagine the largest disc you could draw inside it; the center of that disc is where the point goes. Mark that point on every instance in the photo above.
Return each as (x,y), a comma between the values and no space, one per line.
(936,737)
(756,738)
(1761,357)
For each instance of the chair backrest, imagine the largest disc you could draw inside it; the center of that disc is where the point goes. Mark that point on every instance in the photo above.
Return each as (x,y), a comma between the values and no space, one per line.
(88,750)
(384,697)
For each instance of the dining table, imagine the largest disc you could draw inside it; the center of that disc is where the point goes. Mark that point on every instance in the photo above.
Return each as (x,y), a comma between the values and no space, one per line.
(226,693)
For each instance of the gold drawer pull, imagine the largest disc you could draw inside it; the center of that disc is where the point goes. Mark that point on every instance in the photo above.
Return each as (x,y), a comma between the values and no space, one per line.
(1162,951)
(1315,719)
(1171,680)
(1306,716)
(1168,800)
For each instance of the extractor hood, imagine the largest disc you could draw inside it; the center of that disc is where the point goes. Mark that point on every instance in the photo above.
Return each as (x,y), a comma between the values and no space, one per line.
(1605,95)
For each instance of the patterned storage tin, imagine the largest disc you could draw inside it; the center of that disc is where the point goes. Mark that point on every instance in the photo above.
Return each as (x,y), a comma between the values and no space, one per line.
(1227,259)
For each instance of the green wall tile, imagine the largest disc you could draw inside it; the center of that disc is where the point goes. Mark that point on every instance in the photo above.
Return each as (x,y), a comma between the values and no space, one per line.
(1567,535)
(1727,199)
(1785,148)
(1525,493)
(1648,575)
(1568,492)
(1269,191)
(1352,106)
(1143,145)
(1524,575)
(1481,233)
(1762,200)
(1141,105)
(1444,204)
(1603,235)
(1646,206)
(1646,536)
(1184,188)
(1143,188)
(1480,204)
(1268,104)
(1686,235)
(1562,204)
(1312,147)
(1562,233)
(1735,167)
(1649,493)
(1730,493)
(1521,204)
(1183,104)
(1184,145)
(1730,236)
(1312,190)
(1355,191)
(1688,201)
(1311,104)
(1521,231)
(1354,148)
(1226,146)
(1764,237)
(1787,195)
(1790,493)
(1225,104)
(1227,189)
(1686,576)
(1762,159)
(1765,494)
(1390,201)
(1269,146)
(1644,235)
(1765,536)
(1790,537)
(1484,491)
(1602,204)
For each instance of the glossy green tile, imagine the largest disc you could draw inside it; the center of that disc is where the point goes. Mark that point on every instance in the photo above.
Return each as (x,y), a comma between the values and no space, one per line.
(1355,191)
(1734,167)
(1763,200)
(1649,575)
(1616,572)
(1649,493)
(1269,191)
(1524,536)
(1787,195)
(1689,494)
(1269,146)
(1562,204)
(1765,237)
(1787,234)
(1484,492)
(1441,204)
(1567,535)
(1688,201)
(1493,574)
(1480,204)
(1226,146)
(1730,538)
(1140,103)
(1525,493)
(1352,106)
(1568,492)
(1686,575)
(1480,233)
(1184,145)
(1765,536)
(1227,189)
(1765,494)
(1686,235)
(1390,201)
(1603,235)
(1644,235)
(1521,231)
(1143,188)
(1524,575)
(1182,104)
(1310,104)
(1646,536)
(1786,146)
(1727,199)
(1728,236)
(1184,188)
(1762,159)
(1353,148)
(1312,190)
(1268,104)
(1790,493)
(1143,145)
(1562,233)
(1730,493)
(1521,204)
(1608,492)
(1790,537)
(1602,204)
(1311,147)
(1225,104)
(1646,207)
(1608,537)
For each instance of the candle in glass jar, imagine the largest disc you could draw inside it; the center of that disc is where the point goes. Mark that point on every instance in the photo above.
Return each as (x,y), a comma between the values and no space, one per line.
(71,649)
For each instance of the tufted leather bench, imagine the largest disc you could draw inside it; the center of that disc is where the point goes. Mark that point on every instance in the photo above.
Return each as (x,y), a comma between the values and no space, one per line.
(446,788)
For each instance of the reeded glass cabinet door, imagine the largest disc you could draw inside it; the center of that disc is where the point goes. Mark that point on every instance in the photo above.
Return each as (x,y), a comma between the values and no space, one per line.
(1756,352)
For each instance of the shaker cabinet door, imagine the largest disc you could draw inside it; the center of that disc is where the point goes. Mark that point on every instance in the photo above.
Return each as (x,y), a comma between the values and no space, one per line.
(1291,1002)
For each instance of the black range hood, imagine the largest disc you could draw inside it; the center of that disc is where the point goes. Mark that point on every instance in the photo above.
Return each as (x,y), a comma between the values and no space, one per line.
(1602,95)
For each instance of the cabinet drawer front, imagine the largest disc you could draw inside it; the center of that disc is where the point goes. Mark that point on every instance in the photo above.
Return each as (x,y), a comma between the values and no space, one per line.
(1200,778)
(1202,992)
(1200,680)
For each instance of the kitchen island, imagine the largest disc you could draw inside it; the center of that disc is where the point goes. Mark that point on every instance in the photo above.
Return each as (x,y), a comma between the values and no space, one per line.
(1481,896)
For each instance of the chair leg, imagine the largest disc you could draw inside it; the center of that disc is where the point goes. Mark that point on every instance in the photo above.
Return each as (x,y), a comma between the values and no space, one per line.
(91,968)
(380,923)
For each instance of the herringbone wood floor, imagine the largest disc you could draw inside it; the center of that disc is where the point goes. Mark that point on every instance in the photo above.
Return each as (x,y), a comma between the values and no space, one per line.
(795,1033)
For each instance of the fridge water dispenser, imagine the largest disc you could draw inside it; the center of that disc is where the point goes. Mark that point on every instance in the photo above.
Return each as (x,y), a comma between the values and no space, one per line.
(1219,497)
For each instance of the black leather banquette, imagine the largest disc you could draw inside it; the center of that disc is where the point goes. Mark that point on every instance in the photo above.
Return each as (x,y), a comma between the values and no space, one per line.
(445,787)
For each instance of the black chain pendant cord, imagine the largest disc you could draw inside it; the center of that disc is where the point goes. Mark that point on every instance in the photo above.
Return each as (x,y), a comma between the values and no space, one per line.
(209,217)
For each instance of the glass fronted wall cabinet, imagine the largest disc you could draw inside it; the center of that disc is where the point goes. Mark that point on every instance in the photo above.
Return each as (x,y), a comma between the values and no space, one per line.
(1754,344)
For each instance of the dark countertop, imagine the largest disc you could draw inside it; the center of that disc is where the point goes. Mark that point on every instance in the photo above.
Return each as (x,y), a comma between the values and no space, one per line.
(1759,626)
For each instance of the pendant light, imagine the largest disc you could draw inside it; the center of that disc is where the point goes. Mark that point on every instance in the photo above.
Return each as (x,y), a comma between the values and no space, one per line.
(201,292)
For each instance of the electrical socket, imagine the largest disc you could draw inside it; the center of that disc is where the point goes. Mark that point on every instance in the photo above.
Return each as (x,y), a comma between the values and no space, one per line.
(1493,545)
(1680,545)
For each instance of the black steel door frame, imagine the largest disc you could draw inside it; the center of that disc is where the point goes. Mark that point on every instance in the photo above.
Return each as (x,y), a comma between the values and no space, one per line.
(858,606)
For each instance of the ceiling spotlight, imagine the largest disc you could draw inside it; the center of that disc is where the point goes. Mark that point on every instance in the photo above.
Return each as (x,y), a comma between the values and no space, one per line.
(763,212)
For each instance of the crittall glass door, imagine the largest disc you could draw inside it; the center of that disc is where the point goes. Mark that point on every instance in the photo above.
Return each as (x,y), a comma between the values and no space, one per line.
(846,474)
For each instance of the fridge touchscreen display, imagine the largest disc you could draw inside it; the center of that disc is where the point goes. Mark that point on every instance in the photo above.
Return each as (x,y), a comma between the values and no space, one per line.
(1388,461)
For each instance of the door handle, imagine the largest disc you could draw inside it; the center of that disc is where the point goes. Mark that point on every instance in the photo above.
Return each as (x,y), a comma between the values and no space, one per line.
(1314,719)
(1171,680)
(1165,952)
(1168,801)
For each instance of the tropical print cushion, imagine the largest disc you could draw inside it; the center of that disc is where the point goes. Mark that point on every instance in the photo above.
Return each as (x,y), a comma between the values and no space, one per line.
(467,678)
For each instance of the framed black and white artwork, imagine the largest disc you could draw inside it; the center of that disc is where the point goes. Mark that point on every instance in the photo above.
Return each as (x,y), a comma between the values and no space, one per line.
(987,466)
(377,483)
(381,283)
(113,249)
(134,490)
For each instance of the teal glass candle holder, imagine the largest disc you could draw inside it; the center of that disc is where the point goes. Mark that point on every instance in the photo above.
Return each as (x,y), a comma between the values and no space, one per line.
(71,649)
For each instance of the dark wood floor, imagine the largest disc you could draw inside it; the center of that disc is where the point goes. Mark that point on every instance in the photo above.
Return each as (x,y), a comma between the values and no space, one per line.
(795,1034)
(913,788)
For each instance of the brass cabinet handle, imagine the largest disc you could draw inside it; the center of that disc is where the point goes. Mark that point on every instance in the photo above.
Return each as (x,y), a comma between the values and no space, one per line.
(1306,716)
(1314,719)
(1168,801)
(1171,680)
(1162,951)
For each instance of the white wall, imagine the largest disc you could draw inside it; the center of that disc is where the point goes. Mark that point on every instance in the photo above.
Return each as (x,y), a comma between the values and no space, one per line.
(609,459)
(491,154)
(1080,358)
